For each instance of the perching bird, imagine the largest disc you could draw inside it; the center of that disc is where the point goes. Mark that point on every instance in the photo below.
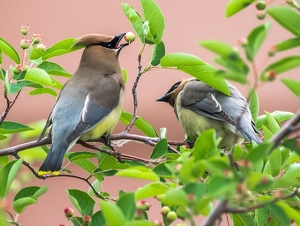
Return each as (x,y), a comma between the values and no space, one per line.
(199,107)
(90,103)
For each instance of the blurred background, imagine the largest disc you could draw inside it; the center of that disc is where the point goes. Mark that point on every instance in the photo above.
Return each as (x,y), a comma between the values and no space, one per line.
(187,22)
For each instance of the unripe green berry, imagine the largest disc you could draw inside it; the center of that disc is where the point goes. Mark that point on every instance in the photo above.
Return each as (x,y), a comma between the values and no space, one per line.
(36,38)
(272,51)
(261,14)
(69,212)
(41,47)
(129,37)
(25,43)
(17,69)
(171,216)
(24,30)
(260,5)
(165,210)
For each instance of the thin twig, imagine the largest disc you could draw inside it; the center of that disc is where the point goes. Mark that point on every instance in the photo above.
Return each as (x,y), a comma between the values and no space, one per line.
(9,105)
(134,93)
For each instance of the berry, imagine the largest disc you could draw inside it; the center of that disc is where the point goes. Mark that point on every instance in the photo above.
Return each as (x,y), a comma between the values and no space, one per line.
(24,30)
(87,219)
(129,37)
(165,210)
(243,42)
(142,205)
(25,43)
(17,69)
(36,38)
(260,5)
(261,14)
(69,212)
(41,47)
(269,75)
(171,216)
(272,51)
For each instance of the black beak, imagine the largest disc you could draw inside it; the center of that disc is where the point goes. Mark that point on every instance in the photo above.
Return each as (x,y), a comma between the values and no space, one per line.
(119,38)
(164,98)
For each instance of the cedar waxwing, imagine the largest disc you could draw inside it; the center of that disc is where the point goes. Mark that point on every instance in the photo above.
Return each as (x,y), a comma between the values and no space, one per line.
(199,107)
(90,103)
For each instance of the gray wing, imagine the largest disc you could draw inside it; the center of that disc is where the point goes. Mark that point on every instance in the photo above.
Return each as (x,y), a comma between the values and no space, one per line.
(200,98)
(99,102)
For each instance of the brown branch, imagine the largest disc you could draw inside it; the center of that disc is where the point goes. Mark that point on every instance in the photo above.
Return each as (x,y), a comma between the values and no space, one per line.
(9,105)
(134,93)
(218,211)
(259,205)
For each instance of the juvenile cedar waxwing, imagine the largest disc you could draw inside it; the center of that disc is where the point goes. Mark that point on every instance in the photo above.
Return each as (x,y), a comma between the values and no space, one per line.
(90,103)
(199,107)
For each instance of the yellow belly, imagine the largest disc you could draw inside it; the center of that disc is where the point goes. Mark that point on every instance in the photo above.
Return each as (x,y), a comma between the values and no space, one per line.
(106,126)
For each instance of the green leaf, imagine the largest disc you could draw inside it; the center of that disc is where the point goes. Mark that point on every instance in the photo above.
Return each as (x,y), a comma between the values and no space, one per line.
(272,123)
(194,66)
(205,145)
(278,213)
(142,124)
(113,214)
(7,49)
(39,76)
(293,85)
(163,170)
(233,76)
(127,204)
(242,219)
(176,197)
(98,219)
(27,196)
(160,149)
(289,211)
(234,6)
(61,47)
(258,153)
(4,160)
(282,65)
(288,44)
(289,178)
(275,161)
(229,57)
(106,162)
(254,105)
(135,20)
(85,164)
(155,18)
(124,72)
(8,127)
(256,38)
(158,52)
(81,155)
(139,172)
(35,54)
(286,17)
(53,69)
(82,201)
(280,116)
(0,61)
(214,188)
(7,175)
(262,215)
(151,190)
(39,91)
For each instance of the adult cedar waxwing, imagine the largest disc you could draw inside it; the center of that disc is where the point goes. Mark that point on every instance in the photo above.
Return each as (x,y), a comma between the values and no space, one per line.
(90,103)
(199,107)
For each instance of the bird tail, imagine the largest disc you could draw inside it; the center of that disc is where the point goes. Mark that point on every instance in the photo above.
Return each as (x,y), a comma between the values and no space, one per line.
(251,136)
(54,159)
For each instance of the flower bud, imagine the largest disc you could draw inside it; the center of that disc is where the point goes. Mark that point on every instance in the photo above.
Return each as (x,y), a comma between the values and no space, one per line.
(260,5)
(143,205)
(25,43)
(24,30)
(69,212)
(243,42)
(36,38)
(157,223)
(87,219)
(17,69)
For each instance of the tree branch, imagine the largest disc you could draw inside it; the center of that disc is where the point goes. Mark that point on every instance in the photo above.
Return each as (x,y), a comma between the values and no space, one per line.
(218,211)
(9,105)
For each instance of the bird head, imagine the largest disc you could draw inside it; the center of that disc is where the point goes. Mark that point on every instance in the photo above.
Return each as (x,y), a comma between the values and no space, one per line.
(108,42)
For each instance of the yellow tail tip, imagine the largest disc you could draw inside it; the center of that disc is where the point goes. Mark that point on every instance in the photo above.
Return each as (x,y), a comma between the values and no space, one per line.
(54,173)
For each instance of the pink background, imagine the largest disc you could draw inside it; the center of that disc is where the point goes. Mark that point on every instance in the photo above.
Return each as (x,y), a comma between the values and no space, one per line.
(186,24)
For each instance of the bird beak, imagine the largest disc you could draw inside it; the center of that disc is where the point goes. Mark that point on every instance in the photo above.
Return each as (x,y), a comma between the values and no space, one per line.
(164,98)
(118,45)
